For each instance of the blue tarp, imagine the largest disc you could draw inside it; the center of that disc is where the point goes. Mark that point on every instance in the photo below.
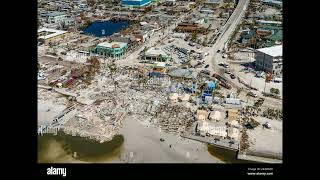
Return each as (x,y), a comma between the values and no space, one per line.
(211,85)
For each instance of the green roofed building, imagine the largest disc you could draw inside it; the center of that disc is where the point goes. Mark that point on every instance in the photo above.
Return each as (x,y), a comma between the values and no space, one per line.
(274,39)
(276,36)
(112,49)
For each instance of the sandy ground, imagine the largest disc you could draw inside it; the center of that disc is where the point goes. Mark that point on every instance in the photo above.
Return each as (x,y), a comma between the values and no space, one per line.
(266,140)
(47,111)
(258,83)
(142,145)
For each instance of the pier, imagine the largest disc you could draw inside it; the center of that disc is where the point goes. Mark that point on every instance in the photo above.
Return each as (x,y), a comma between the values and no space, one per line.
(221,143)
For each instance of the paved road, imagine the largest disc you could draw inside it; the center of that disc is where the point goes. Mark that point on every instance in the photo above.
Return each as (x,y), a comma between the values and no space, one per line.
(134,57)
(216,58)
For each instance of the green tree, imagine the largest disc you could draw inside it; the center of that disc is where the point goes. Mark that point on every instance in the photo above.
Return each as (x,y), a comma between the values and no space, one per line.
(220,14)
(194,36)
(275,91)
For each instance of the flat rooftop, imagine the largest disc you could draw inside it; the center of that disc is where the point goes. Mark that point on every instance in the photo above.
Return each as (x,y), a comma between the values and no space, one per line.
(155,52)
(46,33)
(113,44)
(56,13)
(212,1)
(269,22)
(273,51)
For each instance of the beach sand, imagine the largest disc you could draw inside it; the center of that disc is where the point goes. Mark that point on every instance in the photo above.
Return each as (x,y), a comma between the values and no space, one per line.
(142,145)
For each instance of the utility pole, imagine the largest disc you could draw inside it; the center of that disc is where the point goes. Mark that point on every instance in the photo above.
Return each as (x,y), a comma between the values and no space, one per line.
(265,84)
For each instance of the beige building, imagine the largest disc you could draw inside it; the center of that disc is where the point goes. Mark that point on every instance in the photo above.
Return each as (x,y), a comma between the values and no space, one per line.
(233,114)
(201,115)
(47,35)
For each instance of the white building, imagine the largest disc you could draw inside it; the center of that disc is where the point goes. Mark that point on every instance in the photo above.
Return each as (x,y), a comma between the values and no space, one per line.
(156,54)
(269,59)
(213,3)
(213,129)
(234,133)
(233,101)
(55,17)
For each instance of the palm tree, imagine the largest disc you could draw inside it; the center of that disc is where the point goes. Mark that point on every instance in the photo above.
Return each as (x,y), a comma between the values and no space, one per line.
(194,36)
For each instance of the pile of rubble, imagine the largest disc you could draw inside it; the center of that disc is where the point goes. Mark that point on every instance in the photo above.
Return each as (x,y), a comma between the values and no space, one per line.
(45,95)
(244,141)
(272,114)
(101,121)
(259,102)
(173,118)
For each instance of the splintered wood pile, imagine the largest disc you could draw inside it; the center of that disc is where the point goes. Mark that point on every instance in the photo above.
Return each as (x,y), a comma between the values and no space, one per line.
(244,141)
(175,119)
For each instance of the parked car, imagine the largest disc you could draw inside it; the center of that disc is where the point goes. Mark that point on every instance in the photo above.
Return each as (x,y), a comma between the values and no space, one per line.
(207,72)
(252,94)
(267,125)
(221,64)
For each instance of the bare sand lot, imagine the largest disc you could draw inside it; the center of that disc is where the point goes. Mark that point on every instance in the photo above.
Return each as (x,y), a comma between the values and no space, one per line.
(264,140)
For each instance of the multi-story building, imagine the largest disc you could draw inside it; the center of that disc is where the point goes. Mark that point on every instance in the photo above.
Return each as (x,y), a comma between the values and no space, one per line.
(269,59)
(113,49)
(55,17)
(47,35)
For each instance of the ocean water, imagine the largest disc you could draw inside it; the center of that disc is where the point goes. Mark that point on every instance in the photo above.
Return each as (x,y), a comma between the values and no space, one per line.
(60,148)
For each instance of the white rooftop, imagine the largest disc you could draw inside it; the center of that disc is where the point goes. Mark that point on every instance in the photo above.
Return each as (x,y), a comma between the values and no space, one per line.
(213,1)
(143,23)
(269,22)
(160,64)
(49,33)
(274,51)
(56,13)
(155,52)
(112,44)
